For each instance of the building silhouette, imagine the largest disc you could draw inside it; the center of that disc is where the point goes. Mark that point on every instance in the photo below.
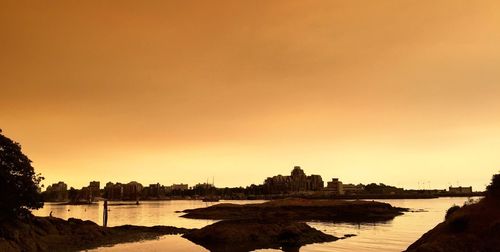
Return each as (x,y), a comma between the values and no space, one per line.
(335,186)
(90,192)
(298,181)
(57,192)
(460,189)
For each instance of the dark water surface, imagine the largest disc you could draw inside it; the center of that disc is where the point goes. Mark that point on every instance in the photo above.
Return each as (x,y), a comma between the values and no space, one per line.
(395,235)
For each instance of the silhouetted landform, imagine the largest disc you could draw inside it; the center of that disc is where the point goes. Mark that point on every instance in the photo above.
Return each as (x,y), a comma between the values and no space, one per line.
(279,223)
(301,210)
(54,234)
(248,235)
(472,227)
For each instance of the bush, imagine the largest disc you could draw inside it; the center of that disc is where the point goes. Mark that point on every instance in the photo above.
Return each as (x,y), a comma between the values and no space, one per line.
(493,189)
(19,185)
(450,211)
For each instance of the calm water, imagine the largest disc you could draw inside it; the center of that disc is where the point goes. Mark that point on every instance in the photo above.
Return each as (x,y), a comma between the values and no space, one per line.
(395,235)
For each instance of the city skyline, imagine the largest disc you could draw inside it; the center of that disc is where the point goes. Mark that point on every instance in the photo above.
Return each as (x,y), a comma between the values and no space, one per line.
(401,93)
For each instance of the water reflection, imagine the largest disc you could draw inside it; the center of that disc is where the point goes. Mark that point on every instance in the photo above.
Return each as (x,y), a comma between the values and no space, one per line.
(172,243)
(147,213)
(395,235)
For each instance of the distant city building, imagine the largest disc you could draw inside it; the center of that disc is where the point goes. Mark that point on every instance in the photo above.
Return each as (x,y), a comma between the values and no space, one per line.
(57,191)
(352,189)
(180,187)
(296,182)
(132,190)
(154,190)
(460,189)
(90,192)
(95,187)
(203,186)
(335,186)
(113,191)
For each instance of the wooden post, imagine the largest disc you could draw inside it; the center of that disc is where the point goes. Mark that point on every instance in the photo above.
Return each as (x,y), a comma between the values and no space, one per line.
(105,214)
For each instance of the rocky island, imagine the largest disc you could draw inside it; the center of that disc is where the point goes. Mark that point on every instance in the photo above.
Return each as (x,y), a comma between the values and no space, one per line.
(280,223)
(301,210)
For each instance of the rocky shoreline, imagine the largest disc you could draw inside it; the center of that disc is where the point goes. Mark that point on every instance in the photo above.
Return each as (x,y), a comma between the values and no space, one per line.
(275,224)
(473,227)
(53,234)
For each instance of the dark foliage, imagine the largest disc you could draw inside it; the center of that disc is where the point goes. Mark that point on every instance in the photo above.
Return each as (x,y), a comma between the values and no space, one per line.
(450,211)
(381,189)
(493,189)
(19,185)
(459,223)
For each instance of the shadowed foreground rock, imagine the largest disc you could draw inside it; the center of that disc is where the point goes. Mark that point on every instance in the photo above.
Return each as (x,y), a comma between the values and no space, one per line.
(474,228)
(301,210)
(54,234)
(247,235)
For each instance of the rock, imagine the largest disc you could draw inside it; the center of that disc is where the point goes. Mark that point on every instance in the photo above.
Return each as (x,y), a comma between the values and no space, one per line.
(247,235)
(301,210)
(54,234)
(474,228)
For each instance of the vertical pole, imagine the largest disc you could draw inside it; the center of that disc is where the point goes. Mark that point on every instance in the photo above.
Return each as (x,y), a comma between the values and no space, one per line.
(105,214)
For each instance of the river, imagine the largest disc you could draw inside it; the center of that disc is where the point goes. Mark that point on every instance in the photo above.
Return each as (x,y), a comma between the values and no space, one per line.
(395,235)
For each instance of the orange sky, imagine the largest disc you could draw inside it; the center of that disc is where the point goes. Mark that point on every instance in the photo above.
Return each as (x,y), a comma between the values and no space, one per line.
(399,92)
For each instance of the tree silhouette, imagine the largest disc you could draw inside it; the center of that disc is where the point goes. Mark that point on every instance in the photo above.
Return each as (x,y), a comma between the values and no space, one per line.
(19,185)
(493,189)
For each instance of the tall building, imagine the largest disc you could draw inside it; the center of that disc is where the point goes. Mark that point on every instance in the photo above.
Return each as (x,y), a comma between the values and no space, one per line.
(460,189)
(180,187)
(298,181)
(335,186)
(57,192)
(132,190)
(113,191)
(154,190)
(95,187)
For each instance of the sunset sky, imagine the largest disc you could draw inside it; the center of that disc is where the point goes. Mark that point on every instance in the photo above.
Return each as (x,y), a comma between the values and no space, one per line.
(399,92)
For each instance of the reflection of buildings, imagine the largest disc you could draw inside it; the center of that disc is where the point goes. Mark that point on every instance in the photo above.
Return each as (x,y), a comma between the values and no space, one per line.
(296,182)
(460,189)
